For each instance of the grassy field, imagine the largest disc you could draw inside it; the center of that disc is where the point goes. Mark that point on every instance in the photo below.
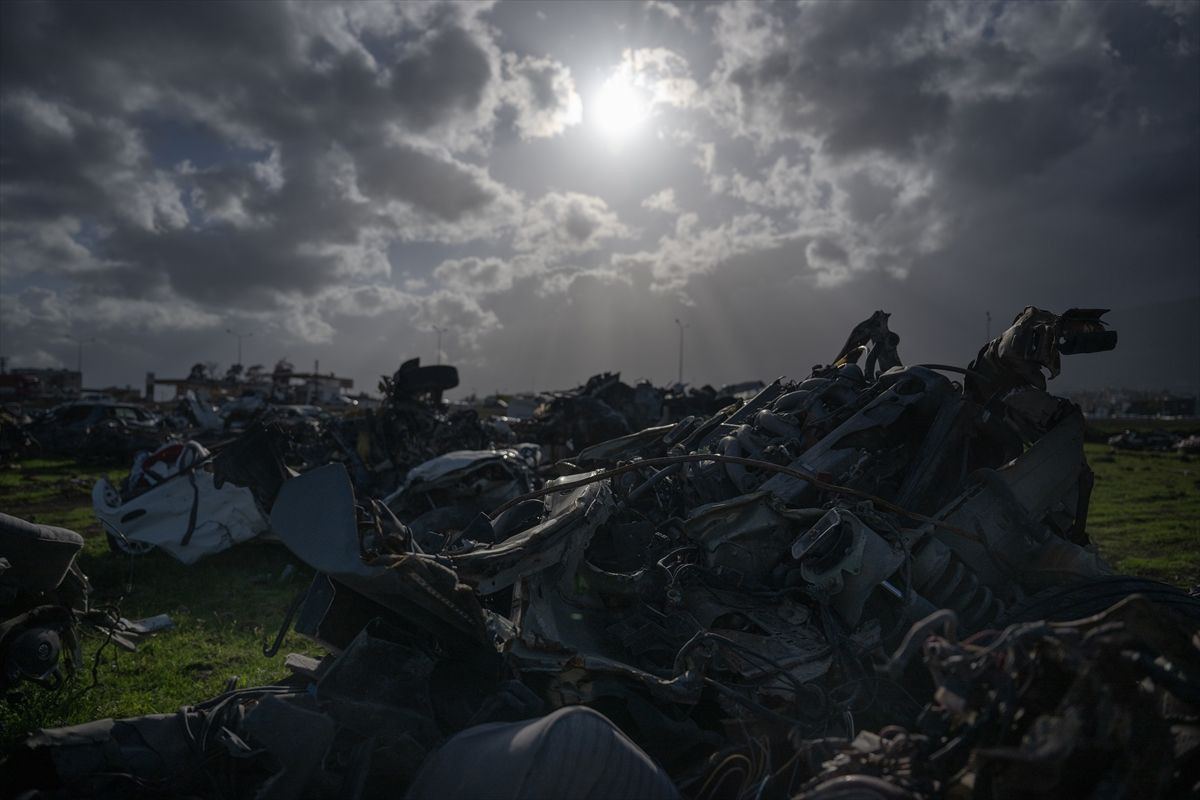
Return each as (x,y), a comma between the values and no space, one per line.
(1145,513)
(1145,517)
(224,609)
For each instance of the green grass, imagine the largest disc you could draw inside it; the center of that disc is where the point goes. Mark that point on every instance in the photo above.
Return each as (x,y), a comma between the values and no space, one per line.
(1145,513)
(224,608)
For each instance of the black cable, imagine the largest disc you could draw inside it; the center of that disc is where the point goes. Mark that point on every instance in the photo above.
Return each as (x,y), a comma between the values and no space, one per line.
(270,650)
(753,704)
(753,656)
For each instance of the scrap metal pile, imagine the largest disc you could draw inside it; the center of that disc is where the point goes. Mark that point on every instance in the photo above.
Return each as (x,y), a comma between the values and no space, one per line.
(173,500)
(378,446)
(874,583)
(606,407)
(412,426)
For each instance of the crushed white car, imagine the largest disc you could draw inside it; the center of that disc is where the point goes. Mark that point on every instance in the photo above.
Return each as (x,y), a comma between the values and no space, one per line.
(170,502)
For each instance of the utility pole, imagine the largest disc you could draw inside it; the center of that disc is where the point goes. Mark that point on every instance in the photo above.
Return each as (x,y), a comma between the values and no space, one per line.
(681,327)
(79,354)
(239,336)
(988,314)
(439,332)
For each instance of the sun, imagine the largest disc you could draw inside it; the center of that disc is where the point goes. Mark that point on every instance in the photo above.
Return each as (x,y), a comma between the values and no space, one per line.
(618,109)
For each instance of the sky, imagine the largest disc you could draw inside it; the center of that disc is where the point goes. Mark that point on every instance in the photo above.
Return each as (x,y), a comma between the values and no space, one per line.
(554,185)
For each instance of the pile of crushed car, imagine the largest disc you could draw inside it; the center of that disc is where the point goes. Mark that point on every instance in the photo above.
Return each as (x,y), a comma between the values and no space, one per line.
(876,582)
(413,437)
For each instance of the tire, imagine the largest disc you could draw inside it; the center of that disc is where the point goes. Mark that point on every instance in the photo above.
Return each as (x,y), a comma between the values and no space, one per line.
(1078,600)
(419,380)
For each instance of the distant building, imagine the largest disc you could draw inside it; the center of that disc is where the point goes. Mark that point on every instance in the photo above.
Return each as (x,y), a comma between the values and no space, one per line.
(1162,405)
(283,385)
(1134,403)
(1179,407)
(34,384)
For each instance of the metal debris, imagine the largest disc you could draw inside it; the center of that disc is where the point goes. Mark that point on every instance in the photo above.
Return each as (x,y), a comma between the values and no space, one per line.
(847,586)
(46,606)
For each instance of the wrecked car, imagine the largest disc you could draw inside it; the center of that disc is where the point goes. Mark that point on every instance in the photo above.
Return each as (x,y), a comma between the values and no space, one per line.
(102,430)
(170,501)
(447,492)
(1156,441)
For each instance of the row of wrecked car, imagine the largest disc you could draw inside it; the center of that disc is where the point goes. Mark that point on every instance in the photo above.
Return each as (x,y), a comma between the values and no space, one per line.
(875,582)
(443,464)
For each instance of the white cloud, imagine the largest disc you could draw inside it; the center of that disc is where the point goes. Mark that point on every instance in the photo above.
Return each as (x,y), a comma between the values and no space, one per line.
(366,301)
(363,260)
(44,247)
(695,249)
(475,276)
(662,200)
(663,74)
(43,116)
(562,223)
(468,321)
(674,13)
(50,313)
(562,282)
(153,315)
(860,214)
(542,93)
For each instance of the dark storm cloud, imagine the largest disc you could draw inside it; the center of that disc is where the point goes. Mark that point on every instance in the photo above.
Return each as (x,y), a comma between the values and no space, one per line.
(70,48)
(210,265)
(1005,87)
(843,71)
(446,73)
(1001,139)
(989,112)
(447,190)
(57,160)
(83,83)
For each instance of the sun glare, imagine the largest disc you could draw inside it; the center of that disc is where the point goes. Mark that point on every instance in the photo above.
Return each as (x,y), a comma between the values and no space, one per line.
(618,109)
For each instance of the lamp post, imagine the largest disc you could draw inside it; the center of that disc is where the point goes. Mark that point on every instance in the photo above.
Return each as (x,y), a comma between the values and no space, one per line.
(681,327)
(239,337)
(79,353)
(439,332)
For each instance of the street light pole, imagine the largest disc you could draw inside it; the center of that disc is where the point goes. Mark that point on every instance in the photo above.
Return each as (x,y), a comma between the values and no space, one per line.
(239,337)
(681,327)
(439,332)
(79,353)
